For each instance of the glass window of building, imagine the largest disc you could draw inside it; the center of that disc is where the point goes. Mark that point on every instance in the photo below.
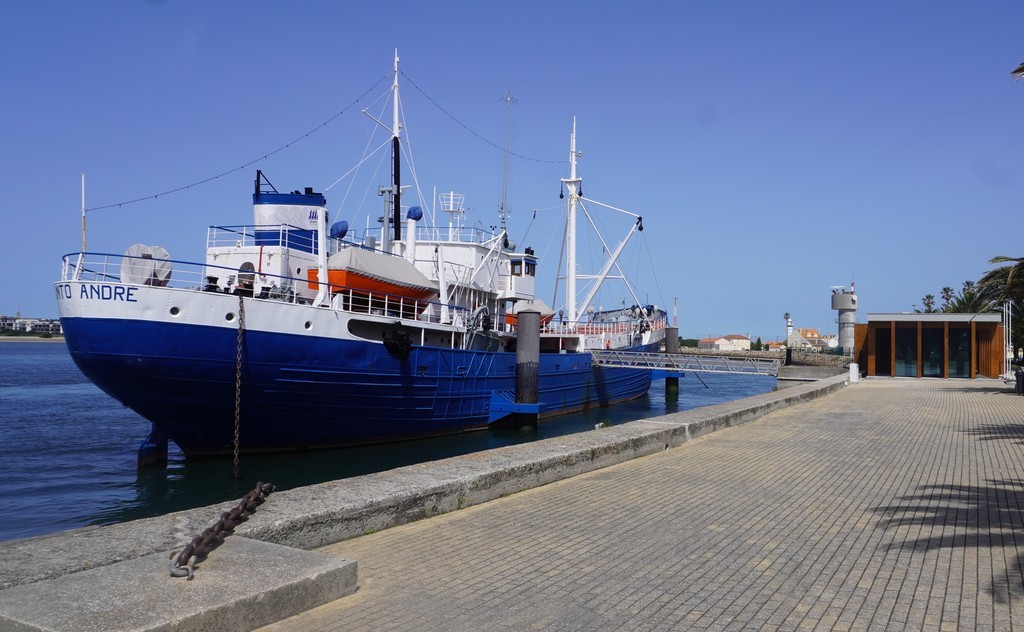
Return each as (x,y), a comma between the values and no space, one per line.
(959,352)
(932,352)
(906,352)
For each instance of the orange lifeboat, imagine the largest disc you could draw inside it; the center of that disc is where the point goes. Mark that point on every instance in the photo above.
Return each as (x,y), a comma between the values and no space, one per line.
(546,313)
(373,271)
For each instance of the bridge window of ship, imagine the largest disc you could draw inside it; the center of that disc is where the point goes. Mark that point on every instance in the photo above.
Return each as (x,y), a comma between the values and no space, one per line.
(531,268)
(517,268)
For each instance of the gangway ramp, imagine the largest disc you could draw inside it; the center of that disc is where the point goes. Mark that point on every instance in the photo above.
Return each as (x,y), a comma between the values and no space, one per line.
(678,362)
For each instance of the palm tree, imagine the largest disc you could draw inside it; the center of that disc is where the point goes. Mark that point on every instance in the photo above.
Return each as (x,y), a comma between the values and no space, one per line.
(947,295)
(1005,284)
(929,304)
(968,301)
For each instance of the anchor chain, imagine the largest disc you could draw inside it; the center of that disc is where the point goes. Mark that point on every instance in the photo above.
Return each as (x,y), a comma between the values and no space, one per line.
(184,564)
(238,377)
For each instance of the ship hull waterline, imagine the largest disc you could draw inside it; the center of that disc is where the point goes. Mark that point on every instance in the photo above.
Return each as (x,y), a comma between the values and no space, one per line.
(301,392)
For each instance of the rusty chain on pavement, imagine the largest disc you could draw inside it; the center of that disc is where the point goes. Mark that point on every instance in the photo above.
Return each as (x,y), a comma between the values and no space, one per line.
(183,564)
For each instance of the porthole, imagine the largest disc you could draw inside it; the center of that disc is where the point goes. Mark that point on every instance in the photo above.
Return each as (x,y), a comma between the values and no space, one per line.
(230,316)
(175,311)
(308,325)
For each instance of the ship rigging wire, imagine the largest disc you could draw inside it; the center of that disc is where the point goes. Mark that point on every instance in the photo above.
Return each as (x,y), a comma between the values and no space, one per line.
(470,130)
(654,270)
(309,133)
(251,162)
(410,148)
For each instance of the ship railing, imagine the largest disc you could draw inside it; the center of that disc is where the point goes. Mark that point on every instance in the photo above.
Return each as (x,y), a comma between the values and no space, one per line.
(596,329)
(362,301)
(589,328)
(305,239)
(585,329)
(286,235)
(97,267)
(460,234)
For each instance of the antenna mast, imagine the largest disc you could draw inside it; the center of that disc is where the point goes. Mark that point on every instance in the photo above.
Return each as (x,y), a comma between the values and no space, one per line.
(83,212)
(504,212)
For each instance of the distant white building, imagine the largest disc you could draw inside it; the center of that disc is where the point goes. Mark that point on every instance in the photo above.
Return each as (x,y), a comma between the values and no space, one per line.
(31,325)
(710,343)
(731,342)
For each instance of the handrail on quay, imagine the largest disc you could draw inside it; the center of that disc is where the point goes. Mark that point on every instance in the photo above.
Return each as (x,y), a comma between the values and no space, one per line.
(680,362)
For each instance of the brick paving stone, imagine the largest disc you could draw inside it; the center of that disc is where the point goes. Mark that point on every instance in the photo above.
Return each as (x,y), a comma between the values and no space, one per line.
(889,505)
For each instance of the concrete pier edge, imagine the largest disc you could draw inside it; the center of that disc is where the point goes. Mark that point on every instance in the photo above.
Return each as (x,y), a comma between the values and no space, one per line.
(248,585)
(314,516)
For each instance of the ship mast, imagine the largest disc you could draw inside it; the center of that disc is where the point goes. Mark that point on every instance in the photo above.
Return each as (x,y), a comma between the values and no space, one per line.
(572,183)
(396,180)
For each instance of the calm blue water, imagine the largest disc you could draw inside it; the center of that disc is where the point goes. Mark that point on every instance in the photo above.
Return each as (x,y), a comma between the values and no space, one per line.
(68,451)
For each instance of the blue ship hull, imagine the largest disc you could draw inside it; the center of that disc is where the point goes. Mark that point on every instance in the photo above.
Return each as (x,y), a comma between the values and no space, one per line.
(300,392)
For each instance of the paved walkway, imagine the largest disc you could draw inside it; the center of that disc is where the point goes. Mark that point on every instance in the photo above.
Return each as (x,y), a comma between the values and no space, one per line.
(890,505)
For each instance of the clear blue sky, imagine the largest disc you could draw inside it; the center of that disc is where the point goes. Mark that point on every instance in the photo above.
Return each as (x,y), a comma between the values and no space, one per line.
(774,149)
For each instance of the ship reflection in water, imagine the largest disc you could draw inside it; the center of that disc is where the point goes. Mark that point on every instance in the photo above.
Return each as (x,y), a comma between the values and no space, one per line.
(68,457)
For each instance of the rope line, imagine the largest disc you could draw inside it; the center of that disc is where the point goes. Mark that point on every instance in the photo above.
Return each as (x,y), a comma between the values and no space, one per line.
(654,271)
(251,162)
(468,129)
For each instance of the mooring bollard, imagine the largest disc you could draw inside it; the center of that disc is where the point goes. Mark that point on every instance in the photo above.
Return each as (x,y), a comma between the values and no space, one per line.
(527,365)
(671,346)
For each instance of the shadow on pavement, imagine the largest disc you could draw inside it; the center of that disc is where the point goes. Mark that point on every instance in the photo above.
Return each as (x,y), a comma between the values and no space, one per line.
(964,516)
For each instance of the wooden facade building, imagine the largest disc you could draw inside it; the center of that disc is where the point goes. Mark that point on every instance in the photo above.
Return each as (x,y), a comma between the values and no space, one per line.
(930,345)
